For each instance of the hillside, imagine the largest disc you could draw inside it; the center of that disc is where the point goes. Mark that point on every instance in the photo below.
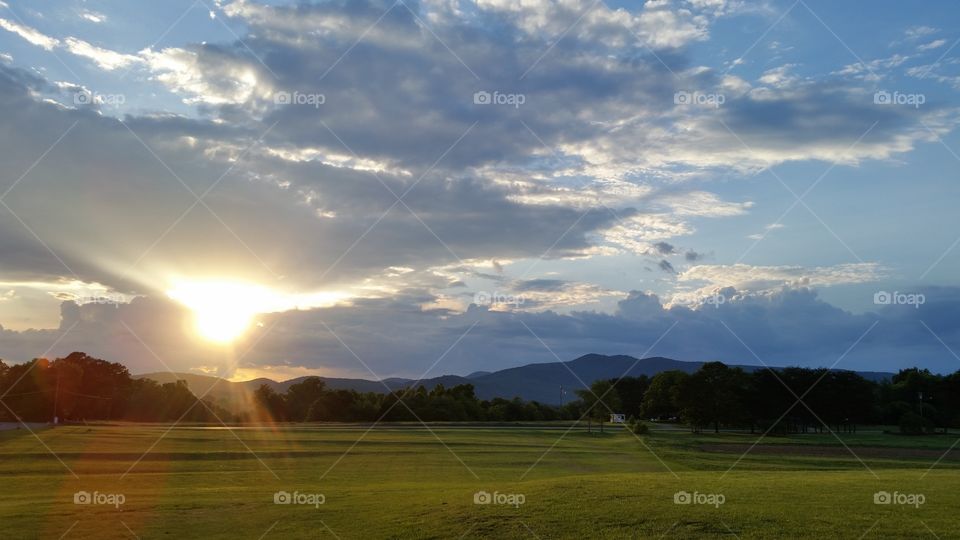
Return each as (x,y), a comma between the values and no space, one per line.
(539,382)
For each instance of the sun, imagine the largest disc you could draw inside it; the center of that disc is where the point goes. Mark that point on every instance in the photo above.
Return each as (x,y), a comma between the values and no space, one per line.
(222,325)
(222,310)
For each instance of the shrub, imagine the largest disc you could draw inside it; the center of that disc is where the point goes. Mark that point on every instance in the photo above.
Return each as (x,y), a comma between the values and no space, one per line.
(638,427)
(912,423)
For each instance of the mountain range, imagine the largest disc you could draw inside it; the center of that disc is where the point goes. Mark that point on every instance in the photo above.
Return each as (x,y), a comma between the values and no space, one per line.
(541,382)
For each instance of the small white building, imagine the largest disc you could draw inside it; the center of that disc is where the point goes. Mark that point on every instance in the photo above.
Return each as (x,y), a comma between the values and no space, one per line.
(618,418)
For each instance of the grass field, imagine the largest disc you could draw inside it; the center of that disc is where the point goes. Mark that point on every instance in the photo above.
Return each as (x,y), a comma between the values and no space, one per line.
(405,481)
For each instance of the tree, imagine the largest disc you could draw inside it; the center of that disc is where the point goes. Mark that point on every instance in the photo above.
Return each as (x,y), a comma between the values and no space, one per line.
(713,395)
(599,401)
(768,403)
(270,402)
(847,399)
(919,391)
(630,393)
(661,400)
(912,423)
(300,397)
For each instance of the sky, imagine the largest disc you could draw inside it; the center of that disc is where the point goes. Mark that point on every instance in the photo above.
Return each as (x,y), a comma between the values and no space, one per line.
(401,188)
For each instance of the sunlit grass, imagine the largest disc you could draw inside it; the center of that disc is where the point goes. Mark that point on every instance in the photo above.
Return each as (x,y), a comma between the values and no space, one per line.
(403,483)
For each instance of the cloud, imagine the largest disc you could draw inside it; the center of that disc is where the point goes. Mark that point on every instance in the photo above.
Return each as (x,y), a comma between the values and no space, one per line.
(33,36)
(916,32)
(935,44)
(547,294)
(622,127)
(265,219)
(693,256)
(397,337)
(767,229)
(779,76)
(760,279)
(93,16)
(104,58)
(599,160)
(874,70)
(654,25)
(206,75)
(664,248)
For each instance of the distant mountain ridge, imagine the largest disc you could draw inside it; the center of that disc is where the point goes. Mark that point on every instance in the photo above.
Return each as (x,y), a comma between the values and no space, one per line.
(539,382)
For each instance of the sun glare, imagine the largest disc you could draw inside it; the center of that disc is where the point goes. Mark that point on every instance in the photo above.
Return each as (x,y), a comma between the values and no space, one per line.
(222,310)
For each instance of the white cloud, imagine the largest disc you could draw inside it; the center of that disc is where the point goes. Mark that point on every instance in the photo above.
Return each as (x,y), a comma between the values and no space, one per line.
(93,16)
(935,44)
(915,32)
(206,79)
(779,76)
(635,234)
(873,70)
(759,279)
(768,228)
(702,204)
(33,36)
(601,129)
(933,71)
(734,85)
(106,59)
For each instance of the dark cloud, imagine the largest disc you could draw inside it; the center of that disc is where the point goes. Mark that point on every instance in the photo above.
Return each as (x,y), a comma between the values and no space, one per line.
(264,219)
(397,336)
(293,208)
(664,248)
(539,285)
(314,204)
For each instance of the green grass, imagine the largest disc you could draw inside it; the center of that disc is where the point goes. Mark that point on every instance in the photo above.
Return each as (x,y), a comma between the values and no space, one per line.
(402,482)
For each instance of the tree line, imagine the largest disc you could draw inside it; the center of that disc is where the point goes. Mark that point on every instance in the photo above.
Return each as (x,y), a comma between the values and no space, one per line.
(782,400)
(79,387)
(311,401)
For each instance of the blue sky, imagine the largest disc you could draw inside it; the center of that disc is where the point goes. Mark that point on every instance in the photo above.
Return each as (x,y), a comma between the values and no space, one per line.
(594,197)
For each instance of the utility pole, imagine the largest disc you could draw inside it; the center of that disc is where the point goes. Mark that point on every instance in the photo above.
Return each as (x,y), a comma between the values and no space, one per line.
(561,395)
